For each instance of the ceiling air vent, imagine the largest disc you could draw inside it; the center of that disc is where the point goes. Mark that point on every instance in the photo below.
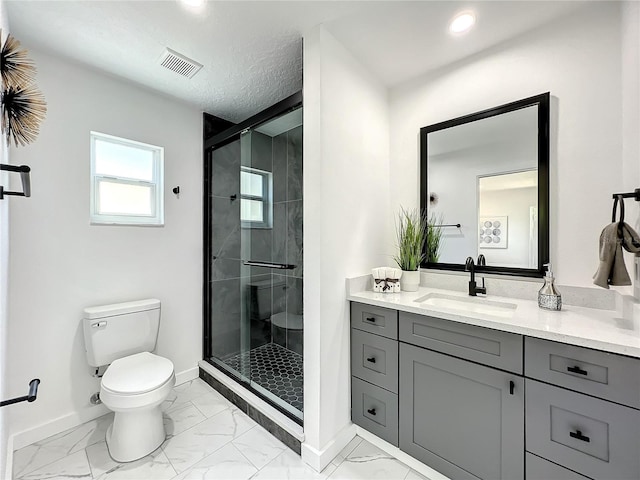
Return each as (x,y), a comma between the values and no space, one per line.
(179,63)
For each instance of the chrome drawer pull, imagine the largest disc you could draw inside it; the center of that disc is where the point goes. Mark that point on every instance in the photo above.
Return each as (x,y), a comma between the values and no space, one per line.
(577,370)
(371,411)
(371,359)
(371,319)
(578,435)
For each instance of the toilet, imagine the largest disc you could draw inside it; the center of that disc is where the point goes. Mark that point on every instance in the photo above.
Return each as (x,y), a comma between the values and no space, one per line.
(136,381)
(261,292)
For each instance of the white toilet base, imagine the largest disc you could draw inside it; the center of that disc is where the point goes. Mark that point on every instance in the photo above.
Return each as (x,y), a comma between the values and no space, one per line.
(135,434)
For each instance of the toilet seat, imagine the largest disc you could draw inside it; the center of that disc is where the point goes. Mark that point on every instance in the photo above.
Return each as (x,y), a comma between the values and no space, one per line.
(137,374)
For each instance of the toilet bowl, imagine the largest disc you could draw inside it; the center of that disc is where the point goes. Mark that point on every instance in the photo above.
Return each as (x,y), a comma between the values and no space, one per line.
(134,387)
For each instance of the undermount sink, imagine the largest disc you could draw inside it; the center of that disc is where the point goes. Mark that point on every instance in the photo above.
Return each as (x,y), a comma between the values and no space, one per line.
(468,305)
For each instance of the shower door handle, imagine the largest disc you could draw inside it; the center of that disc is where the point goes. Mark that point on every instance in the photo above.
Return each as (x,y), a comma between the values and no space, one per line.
(280,266)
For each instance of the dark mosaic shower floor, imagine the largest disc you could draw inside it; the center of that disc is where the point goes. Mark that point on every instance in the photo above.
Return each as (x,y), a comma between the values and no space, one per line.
(274,368)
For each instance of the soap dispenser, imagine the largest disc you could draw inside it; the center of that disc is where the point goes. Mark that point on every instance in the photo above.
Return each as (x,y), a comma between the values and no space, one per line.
(549,297)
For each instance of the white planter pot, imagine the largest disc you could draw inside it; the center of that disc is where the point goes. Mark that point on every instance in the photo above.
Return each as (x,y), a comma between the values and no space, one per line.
(410,280)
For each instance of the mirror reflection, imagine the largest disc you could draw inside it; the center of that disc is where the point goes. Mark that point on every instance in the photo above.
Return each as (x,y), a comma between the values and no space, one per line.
(482,173)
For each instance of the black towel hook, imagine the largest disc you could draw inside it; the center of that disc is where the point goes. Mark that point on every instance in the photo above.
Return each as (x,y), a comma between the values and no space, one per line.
(618,199)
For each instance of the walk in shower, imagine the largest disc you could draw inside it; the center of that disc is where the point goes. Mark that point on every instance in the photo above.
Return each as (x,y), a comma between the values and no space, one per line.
(253,242)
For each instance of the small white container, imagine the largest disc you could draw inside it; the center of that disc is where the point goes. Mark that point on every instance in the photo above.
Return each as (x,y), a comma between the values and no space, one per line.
(410,281)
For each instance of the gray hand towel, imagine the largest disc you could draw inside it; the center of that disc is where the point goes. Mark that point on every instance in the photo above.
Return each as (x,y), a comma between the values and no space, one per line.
(612,270)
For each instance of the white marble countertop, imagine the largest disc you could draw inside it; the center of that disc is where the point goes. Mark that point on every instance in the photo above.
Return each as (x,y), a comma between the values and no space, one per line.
(604,330)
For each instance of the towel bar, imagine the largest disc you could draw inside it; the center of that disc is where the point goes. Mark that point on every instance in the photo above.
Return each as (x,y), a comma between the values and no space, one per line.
(30,397)
(23,170)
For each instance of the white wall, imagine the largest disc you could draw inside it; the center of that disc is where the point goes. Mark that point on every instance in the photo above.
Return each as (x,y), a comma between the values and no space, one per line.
(5,469)
(346,195)
(515,204)
(577,59)
(60,264)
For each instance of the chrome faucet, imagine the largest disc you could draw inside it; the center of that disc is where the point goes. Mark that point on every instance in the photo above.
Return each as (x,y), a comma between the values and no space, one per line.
(470,267)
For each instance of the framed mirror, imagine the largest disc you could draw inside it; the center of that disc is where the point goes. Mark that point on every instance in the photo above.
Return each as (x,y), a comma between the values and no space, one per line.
(484,179)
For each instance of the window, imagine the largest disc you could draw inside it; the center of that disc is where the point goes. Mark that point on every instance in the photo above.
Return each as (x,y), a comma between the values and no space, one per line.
(126,181)
(255,198)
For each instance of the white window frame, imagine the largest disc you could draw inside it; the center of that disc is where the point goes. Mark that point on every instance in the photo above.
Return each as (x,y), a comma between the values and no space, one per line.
(156,184)
(266,198)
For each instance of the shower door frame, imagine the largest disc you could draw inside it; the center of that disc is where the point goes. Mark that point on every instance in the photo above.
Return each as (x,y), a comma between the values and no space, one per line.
(227,136)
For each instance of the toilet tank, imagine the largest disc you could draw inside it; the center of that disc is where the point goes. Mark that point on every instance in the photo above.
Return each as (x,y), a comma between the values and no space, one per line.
(120,329)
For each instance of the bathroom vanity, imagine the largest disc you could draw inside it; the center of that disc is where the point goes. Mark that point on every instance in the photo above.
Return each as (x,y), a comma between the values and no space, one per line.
(490,389)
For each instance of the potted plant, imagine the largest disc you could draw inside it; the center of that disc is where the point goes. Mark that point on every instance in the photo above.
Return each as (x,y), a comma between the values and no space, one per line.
(411,232)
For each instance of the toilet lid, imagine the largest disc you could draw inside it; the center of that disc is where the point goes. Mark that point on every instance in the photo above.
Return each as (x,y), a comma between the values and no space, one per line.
(290,321)
(139,373)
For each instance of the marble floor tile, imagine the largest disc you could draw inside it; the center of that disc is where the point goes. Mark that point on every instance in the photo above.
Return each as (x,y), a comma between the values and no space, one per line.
(74,466)
(177,420)
(368,462)
(288,465)
(184,393)
(259,446)
(226,463)
(58,446)
(154,466)
(413,475)
(189,447)
(355,441)
(211,404)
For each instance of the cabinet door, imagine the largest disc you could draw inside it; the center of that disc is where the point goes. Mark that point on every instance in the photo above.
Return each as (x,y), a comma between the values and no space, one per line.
(463,419)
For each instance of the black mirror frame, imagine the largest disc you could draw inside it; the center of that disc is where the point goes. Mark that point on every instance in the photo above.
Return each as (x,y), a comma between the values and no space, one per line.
(542,101)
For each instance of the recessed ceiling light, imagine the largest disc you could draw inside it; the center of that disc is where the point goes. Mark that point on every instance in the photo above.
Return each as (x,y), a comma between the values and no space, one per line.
(462,22)
(193,3)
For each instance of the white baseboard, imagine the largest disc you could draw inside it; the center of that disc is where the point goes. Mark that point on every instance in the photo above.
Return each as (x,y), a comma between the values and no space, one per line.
(187,375)
(395,452)
(318,459)
(57,425)
(71,420)
(8,470)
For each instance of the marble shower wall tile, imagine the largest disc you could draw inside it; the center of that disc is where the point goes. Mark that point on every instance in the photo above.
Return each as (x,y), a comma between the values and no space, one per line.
(261,151)
(225,170)
(294,238)
(225,317)
(294,164)
(280,168)
(280,224)
(225,227)
(58,446)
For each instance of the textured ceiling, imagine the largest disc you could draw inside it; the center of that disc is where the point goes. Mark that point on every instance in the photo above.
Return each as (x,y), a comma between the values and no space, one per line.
(252,51)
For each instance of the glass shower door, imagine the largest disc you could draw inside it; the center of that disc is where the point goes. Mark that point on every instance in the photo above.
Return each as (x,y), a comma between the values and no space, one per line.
(259,256)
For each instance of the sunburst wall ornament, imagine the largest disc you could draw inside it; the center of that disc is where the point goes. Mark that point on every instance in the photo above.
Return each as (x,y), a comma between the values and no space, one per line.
(16,68)
(23,109)
(23,105)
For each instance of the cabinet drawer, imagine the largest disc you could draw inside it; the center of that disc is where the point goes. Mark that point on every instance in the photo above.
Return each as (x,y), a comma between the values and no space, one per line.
(541,469)
(605,375)
(375,409)
(482,345)
(375,359)
(593,437)
(378,320)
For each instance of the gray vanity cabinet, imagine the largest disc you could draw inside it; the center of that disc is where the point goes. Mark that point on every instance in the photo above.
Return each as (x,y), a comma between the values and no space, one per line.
(463,419)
